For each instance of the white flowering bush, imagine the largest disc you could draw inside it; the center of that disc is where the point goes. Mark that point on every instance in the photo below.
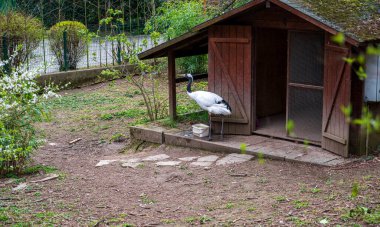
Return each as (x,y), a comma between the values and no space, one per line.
(22,103)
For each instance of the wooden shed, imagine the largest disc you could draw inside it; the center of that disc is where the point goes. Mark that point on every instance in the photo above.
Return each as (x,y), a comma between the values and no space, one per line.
(274,61)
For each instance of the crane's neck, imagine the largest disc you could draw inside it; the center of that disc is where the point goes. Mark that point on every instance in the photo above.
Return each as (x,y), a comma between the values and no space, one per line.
(189,85)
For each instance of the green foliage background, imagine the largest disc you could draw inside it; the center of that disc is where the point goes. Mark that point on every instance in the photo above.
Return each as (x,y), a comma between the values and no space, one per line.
(23,33)
(175,18)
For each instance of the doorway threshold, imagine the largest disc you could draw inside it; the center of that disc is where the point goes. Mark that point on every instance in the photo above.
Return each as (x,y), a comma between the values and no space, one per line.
(287,138)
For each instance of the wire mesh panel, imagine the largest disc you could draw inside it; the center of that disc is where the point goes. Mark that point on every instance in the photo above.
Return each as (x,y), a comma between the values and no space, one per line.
(305,98)
(306,58)
(305,109)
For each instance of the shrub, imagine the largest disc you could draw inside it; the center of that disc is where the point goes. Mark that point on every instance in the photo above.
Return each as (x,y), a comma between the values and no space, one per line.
(76,42)
(23,33)
(20,107)
(143,76)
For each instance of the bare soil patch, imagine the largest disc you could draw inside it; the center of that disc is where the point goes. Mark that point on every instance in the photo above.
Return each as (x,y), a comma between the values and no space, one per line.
(250,193)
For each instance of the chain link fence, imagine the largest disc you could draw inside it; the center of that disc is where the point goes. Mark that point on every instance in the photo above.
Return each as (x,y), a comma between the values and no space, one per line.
(100,52)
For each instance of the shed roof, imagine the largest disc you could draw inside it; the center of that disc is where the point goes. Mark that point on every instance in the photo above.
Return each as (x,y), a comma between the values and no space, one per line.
(358,20)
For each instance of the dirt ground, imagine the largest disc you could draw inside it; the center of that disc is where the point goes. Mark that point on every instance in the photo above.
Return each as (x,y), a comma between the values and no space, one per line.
(254,193)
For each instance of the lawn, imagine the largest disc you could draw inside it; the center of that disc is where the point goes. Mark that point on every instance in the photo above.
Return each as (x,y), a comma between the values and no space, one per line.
(254,193)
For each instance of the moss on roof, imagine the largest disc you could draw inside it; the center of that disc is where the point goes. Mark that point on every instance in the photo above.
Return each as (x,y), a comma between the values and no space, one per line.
(359,19)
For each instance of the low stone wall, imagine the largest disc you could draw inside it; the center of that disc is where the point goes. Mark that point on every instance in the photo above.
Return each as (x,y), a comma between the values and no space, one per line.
(76,78)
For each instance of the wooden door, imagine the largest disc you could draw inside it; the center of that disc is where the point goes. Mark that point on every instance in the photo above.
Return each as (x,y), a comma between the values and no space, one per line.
(229,75)
(337,93)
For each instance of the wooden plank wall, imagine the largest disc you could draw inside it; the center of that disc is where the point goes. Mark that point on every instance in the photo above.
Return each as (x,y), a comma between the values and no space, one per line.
(273,17)
(237,59)
(337,92)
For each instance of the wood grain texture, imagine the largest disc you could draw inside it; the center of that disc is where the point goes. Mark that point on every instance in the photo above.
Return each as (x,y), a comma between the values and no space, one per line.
(230,74)
(337,93)
(172,86)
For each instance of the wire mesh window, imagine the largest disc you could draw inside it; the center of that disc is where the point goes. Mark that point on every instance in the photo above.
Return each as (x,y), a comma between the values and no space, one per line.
(305,109)
(306,58)
(306,67)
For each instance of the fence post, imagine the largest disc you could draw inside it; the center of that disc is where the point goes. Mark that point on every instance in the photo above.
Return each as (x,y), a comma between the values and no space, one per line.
(44,50)
(5,53)
(65,60)
(118,46)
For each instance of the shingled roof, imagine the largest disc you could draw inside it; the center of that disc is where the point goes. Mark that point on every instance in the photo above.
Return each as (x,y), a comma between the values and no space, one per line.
(359,20)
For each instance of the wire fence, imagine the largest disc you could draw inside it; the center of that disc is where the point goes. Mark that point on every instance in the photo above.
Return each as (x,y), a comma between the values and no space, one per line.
(100,52)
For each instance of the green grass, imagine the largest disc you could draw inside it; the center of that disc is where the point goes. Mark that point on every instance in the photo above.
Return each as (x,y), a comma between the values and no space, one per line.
(201,219)
(131,113)
(360,213)
(204,219)
(251,209)
(82,100)
(39,168)
(146,200)
(167,122)
(297,221)
(280,198)
(25,217)
(167,221)
(191,220)
(229,205)
(198,117)
(201,116)
(298,204)
(118,137)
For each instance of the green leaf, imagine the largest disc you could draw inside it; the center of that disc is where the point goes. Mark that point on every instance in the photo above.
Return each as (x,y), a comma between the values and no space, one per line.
(350,61)
(347,111)
(361,73)
(243,148)
(361,59)
(290,127)
(339,39)
(355,190)
(371,50)
(261,159)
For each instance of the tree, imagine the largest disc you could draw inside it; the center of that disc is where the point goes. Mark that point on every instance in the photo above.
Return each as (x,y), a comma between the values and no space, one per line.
(7,5)
(175,18)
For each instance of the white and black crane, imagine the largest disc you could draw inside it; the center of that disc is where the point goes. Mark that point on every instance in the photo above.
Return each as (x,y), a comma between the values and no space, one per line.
(211,102)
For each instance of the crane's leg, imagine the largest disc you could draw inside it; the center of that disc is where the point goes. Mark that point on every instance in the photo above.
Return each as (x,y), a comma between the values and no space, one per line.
(221,131)
(209,129)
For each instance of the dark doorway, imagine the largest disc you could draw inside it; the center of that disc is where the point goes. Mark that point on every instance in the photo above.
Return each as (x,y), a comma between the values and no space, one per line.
(271,82)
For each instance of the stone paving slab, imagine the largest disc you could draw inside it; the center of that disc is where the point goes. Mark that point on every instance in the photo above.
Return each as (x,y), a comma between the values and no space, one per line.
(209,158)
(234,159)
(202,164)
(188,159)
(168,163)
(131,164)
(159,157)
(131,160)
(104,162)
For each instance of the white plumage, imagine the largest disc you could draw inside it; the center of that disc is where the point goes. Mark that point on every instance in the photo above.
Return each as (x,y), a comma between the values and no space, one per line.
(211,102)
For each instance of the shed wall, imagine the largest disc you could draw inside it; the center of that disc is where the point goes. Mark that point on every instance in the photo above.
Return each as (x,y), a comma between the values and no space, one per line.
(273,17)
(230,67)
